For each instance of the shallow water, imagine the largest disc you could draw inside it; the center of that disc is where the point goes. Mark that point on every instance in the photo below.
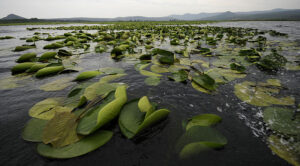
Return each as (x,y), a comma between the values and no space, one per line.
(241,124)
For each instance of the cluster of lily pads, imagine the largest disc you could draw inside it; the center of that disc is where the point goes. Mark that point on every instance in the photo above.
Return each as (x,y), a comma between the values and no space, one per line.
(203,57)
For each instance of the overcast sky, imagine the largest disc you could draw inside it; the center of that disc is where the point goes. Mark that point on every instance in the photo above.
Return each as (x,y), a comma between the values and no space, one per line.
(116,8)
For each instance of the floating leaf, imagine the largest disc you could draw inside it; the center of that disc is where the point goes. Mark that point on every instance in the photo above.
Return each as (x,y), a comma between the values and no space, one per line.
(98,89)
(205,81)
(47,55)
(36,67)
(203,120)
(152,81)
(199,88)
(282,120)
(49,71)
(257,95)
(11,82)
(180,76)
(85,145)
(188,144)
(33,130)
(22,67)
(149,73)
(28,57)
(159,69)
(112,70)
(287,151)
(47,108)
(224,75)
(61,130)
(89,120)
(108,78)
(58,84)
(87,75)
(141,66)
(133,121)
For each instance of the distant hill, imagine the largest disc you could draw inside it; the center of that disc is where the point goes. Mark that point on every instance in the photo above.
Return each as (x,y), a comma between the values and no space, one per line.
(274,14)
(270,15)
(13,17)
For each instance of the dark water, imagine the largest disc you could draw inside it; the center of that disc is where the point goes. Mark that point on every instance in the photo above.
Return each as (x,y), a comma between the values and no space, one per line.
(242,123)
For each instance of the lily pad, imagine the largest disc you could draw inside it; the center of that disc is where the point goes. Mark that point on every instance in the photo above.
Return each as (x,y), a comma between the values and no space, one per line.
(49,71)
(58,84)
(203,120)
(224,75)
(180,76)
(99,88)
(87,75)
(28,57)
(47,55)
(152,81)
(287,151)
(47,108)
(149,73)
(282,120)
(36,67)
(112,70)
(109,78)
(258,95)
(22,67)
(85,145)
(132,120)
(33,130)
(61,130)
(159,69)
(205,81)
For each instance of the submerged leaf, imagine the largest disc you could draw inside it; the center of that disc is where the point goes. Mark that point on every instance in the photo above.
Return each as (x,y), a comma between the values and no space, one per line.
(61,130)
(85,145)
(203,120)
(152,81)
(112,70)
(58,84)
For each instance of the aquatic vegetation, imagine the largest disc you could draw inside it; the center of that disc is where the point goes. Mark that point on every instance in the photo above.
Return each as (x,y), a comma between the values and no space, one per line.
(262,94)
(58,84)
(22,67)
(28,57)
(47,56)
(36,67)
(137,115)
(6,37)
(62,52)
(199,136)
(24,47)
(49,71)
(87,75)
(53,46)
(273,61)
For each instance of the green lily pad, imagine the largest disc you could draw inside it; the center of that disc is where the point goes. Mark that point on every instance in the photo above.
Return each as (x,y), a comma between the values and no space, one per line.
(85,145)
(159,69)
(47,108)
(53,46)
(36,67)
(47,55)
(58,84)
(180,76)
(203,120)
(188,143)
(22,67)
(112,70)
(49,71)
(152,81)
(199,88)
(132,120)
(12,82)
(99,88)
(33,130)
(261,95)
(224,75)
(109,78)
(28,57)
(287,151)
(149,73)
(205,81)
(141,66)
(24,47)
(87,75)
(282,120)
